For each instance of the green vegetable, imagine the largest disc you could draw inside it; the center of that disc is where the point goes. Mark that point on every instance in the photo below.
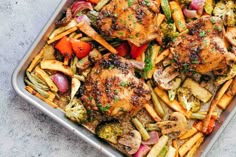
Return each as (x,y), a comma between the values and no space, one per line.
(76,111)
(109,131)
(163,152)
(36,82)
(148,62)
(157,105)
(157,148)
(198,116)
(166,9)
(152,127)
(39,90)
(101,4)
(141,129)
(169,32)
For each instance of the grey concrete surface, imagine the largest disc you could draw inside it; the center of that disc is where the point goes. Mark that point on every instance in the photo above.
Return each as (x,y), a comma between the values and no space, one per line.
(24,130)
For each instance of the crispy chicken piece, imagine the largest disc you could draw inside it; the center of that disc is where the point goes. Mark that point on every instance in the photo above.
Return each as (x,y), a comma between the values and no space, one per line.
(135,21)
(203,49)
(113,88)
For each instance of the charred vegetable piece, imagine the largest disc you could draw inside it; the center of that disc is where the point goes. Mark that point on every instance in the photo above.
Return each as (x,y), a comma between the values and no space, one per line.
(198,91)
(109,131)
(76,111)
(177,124)
(169,32)
(131,141)
(64,46)
(187,100)
(66,19)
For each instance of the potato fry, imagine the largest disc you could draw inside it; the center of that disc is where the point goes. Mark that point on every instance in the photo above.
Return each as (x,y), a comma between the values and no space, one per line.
(189,144)
(59,36)
(160,18)
(35,61)
(214,103)
(172,104)
(198,125)
(188,133)
(162,56)
(60,30)
(33,92)
(87,29)
(225,101)
(51,96)
(178,16)
(57,66)
(193,150)
(174,144)
(152,112)
(44,76)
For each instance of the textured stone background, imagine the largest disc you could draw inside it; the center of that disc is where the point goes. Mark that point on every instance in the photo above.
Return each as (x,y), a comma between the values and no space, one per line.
(24,130)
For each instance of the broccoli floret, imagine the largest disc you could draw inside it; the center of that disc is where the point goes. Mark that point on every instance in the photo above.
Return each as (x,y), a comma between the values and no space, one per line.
(226,11)
(169,31)
(76,111)
(184,1)
(109,131)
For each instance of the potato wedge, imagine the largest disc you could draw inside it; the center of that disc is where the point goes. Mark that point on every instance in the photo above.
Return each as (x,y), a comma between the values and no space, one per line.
(57,66)
(193,150)
(188,133)
(162,56)
(35,61)
(152,112)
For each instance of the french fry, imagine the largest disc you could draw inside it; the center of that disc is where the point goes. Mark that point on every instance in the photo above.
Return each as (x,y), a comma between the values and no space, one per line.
(214,103)
(57,66)
(35,61)
(160,18)
(193,150)
(152,112)
(87,29)
(33,92)
(174,144)
(162,56)
(59,36)
(60,30)
(225,101)
(189,144)
(44,76)
(198,125)
(188,133)
(51,96)
(178,16)
(172,104)
(77,36)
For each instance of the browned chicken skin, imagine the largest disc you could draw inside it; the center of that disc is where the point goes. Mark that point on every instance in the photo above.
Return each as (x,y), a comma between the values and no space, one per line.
(113,88)
(203,49)
(134,20)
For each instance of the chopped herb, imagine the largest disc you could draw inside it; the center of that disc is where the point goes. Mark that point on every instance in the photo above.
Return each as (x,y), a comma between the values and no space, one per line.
(130,2)
(120,32)
(116,98)
(103,109)
(131,37)
(147,3)
(202,34)
(116,91)
(122,109)
(90,98)
(111,67)
(137,34)
(89,111)
(79,13)
(219,28)
(121,20)
(195,61)
(123,84)
(213,20)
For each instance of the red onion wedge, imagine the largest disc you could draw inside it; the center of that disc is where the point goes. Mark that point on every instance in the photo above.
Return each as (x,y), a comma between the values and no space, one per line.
(83,18)
(197,4)
(190,13)
(154,138)
(79,6)
(61,82)
(142,151)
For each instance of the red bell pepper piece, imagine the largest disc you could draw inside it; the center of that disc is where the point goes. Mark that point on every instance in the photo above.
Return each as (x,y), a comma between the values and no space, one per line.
(137,51)
(64,47)
(80,48)
(123,49)
(94,1)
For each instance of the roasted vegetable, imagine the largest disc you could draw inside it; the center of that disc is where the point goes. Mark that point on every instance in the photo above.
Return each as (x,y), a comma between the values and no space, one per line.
(109,131)
(169,32)
(76,111)
(231,74)
(187,100)
(197,91)
(140,128)
(184,1)
(131,141)
(156,149)
(226,11)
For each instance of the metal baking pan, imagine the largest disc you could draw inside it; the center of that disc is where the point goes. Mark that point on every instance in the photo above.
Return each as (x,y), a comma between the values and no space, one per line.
(58,115)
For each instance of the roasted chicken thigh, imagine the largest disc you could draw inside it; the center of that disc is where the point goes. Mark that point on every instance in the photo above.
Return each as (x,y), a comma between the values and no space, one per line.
(113,88)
